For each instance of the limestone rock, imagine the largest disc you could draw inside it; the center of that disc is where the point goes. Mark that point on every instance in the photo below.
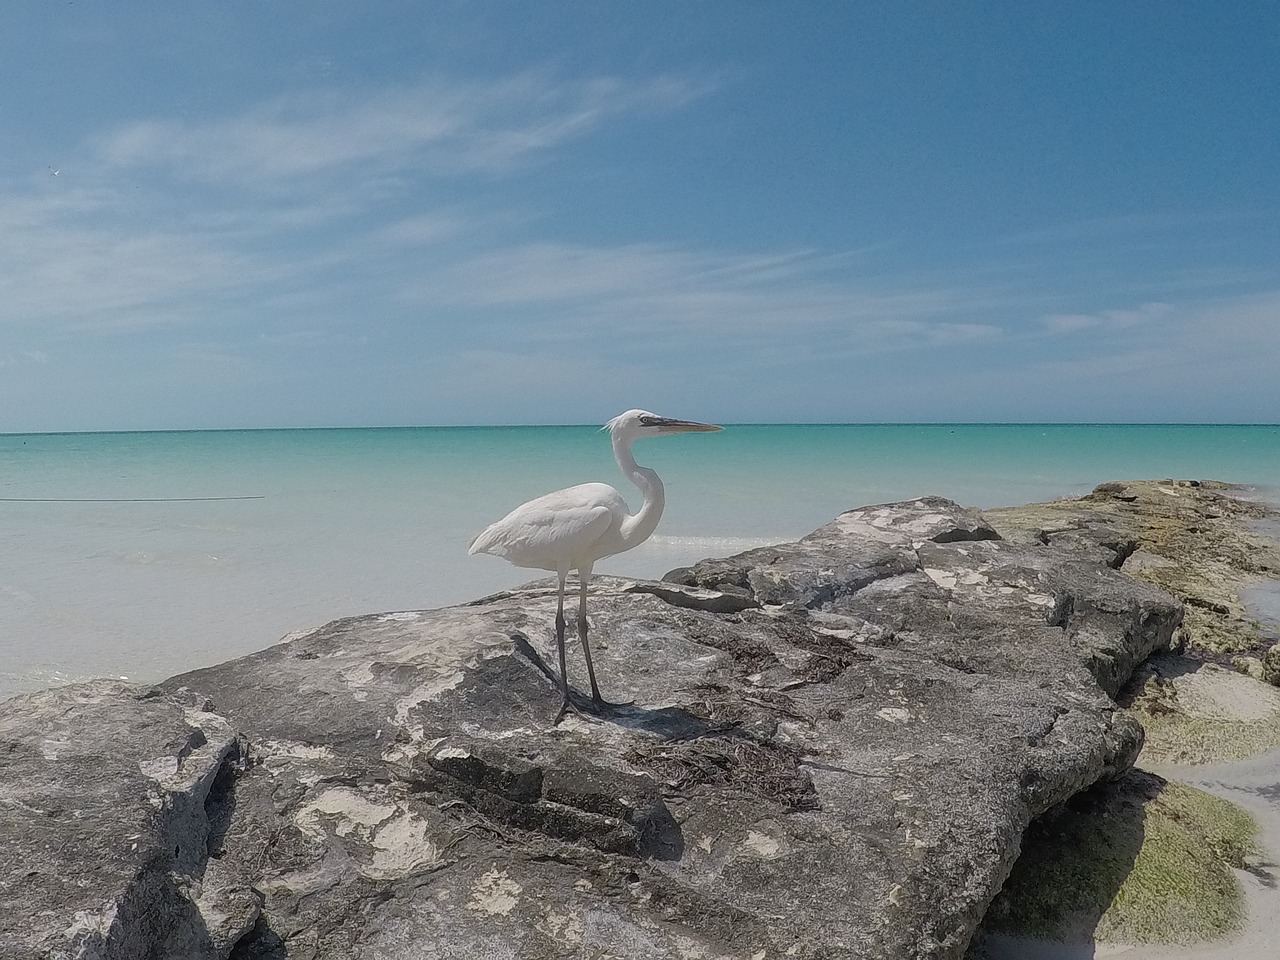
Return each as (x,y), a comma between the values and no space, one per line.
(111,800)
(1200,541)
(834,749)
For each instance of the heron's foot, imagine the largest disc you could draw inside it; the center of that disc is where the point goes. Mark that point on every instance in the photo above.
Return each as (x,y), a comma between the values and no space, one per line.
(568,706)
(564,708)
(588,709)
(601,705)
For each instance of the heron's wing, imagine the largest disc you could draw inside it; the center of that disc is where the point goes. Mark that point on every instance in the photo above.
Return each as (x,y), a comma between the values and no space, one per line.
(554,530)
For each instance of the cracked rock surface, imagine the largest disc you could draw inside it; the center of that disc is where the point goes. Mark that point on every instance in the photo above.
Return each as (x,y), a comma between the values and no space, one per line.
(833,750)
(110,802)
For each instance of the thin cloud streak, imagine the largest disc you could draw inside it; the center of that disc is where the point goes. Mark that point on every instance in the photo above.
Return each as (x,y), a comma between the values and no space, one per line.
(1142,316)
(449,128)
(647,298)
(113,244)
(1093,229)
(1163,344)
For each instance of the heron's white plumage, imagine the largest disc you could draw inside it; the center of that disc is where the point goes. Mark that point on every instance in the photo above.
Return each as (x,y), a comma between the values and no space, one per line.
(567,527)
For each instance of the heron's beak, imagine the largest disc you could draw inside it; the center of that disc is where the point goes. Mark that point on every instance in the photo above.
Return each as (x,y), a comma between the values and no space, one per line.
(665,425)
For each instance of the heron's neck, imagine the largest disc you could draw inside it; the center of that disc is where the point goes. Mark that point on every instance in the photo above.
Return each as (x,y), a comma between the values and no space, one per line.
(638,527)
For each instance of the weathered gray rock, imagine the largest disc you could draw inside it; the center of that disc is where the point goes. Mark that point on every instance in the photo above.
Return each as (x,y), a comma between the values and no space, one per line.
(834,750)
(110,801)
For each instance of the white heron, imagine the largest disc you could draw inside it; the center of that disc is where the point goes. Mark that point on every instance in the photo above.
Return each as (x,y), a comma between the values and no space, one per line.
(573,528)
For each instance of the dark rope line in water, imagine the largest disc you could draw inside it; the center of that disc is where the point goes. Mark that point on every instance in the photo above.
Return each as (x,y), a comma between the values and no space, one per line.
(120,499)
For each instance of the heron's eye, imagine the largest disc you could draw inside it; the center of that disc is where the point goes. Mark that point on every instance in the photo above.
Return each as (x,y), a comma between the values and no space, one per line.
(651,421)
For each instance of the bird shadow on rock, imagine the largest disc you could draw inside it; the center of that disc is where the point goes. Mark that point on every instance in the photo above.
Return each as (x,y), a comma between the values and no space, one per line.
(668,723)
(690,751)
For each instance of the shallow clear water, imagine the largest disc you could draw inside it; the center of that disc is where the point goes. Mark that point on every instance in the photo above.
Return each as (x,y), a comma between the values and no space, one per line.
(343,522)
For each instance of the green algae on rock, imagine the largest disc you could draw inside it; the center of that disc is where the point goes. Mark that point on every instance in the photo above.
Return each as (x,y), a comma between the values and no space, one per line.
(1143,860)
(1195,712)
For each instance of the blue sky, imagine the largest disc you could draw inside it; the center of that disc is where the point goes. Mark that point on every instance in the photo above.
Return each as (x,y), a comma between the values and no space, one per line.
(314,213)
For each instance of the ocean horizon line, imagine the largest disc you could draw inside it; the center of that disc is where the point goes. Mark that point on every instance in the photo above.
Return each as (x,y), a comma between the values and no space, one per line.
(727,423)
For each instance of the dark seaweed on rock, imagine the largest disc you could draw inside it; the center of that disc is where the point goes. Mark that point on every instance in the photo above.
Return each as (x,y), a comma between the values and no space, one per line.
(767,770)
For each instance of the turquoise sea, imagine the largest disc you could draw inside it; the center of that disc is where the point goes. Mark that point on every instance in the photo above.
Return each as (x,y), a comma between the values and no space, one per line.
(144,554)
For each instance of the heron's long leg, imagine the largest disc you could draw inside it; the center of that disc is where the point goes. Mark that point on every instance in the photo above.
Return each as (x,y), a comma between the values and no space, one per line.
(560,627)
(584,577)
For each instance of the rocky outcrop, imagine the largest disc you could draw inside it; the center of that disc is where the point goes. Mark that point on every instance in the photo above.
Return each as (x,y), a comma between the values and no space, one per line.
(834,749)
(112,802)
(1203,542)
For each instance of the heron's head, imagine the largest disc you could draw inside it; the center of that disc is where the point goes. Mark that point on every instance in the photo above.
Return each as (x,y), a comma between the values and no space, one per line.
(635,424)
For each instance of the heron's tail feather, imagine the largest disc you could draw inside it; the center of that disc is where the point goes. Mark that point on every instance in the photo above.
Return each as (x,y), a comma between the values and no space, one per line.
(489,541)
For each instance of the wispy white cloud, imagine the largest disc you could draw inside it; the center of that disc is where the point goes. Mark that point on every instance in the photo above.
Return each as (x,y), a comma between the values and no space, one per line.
(662,289)
(24,357)
(446,127)
(165,222)
(1070,322)
(1141,316)
(427,228)
(938,332)
(1208,347)
(1091,230)
(312,338)
(79,274)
